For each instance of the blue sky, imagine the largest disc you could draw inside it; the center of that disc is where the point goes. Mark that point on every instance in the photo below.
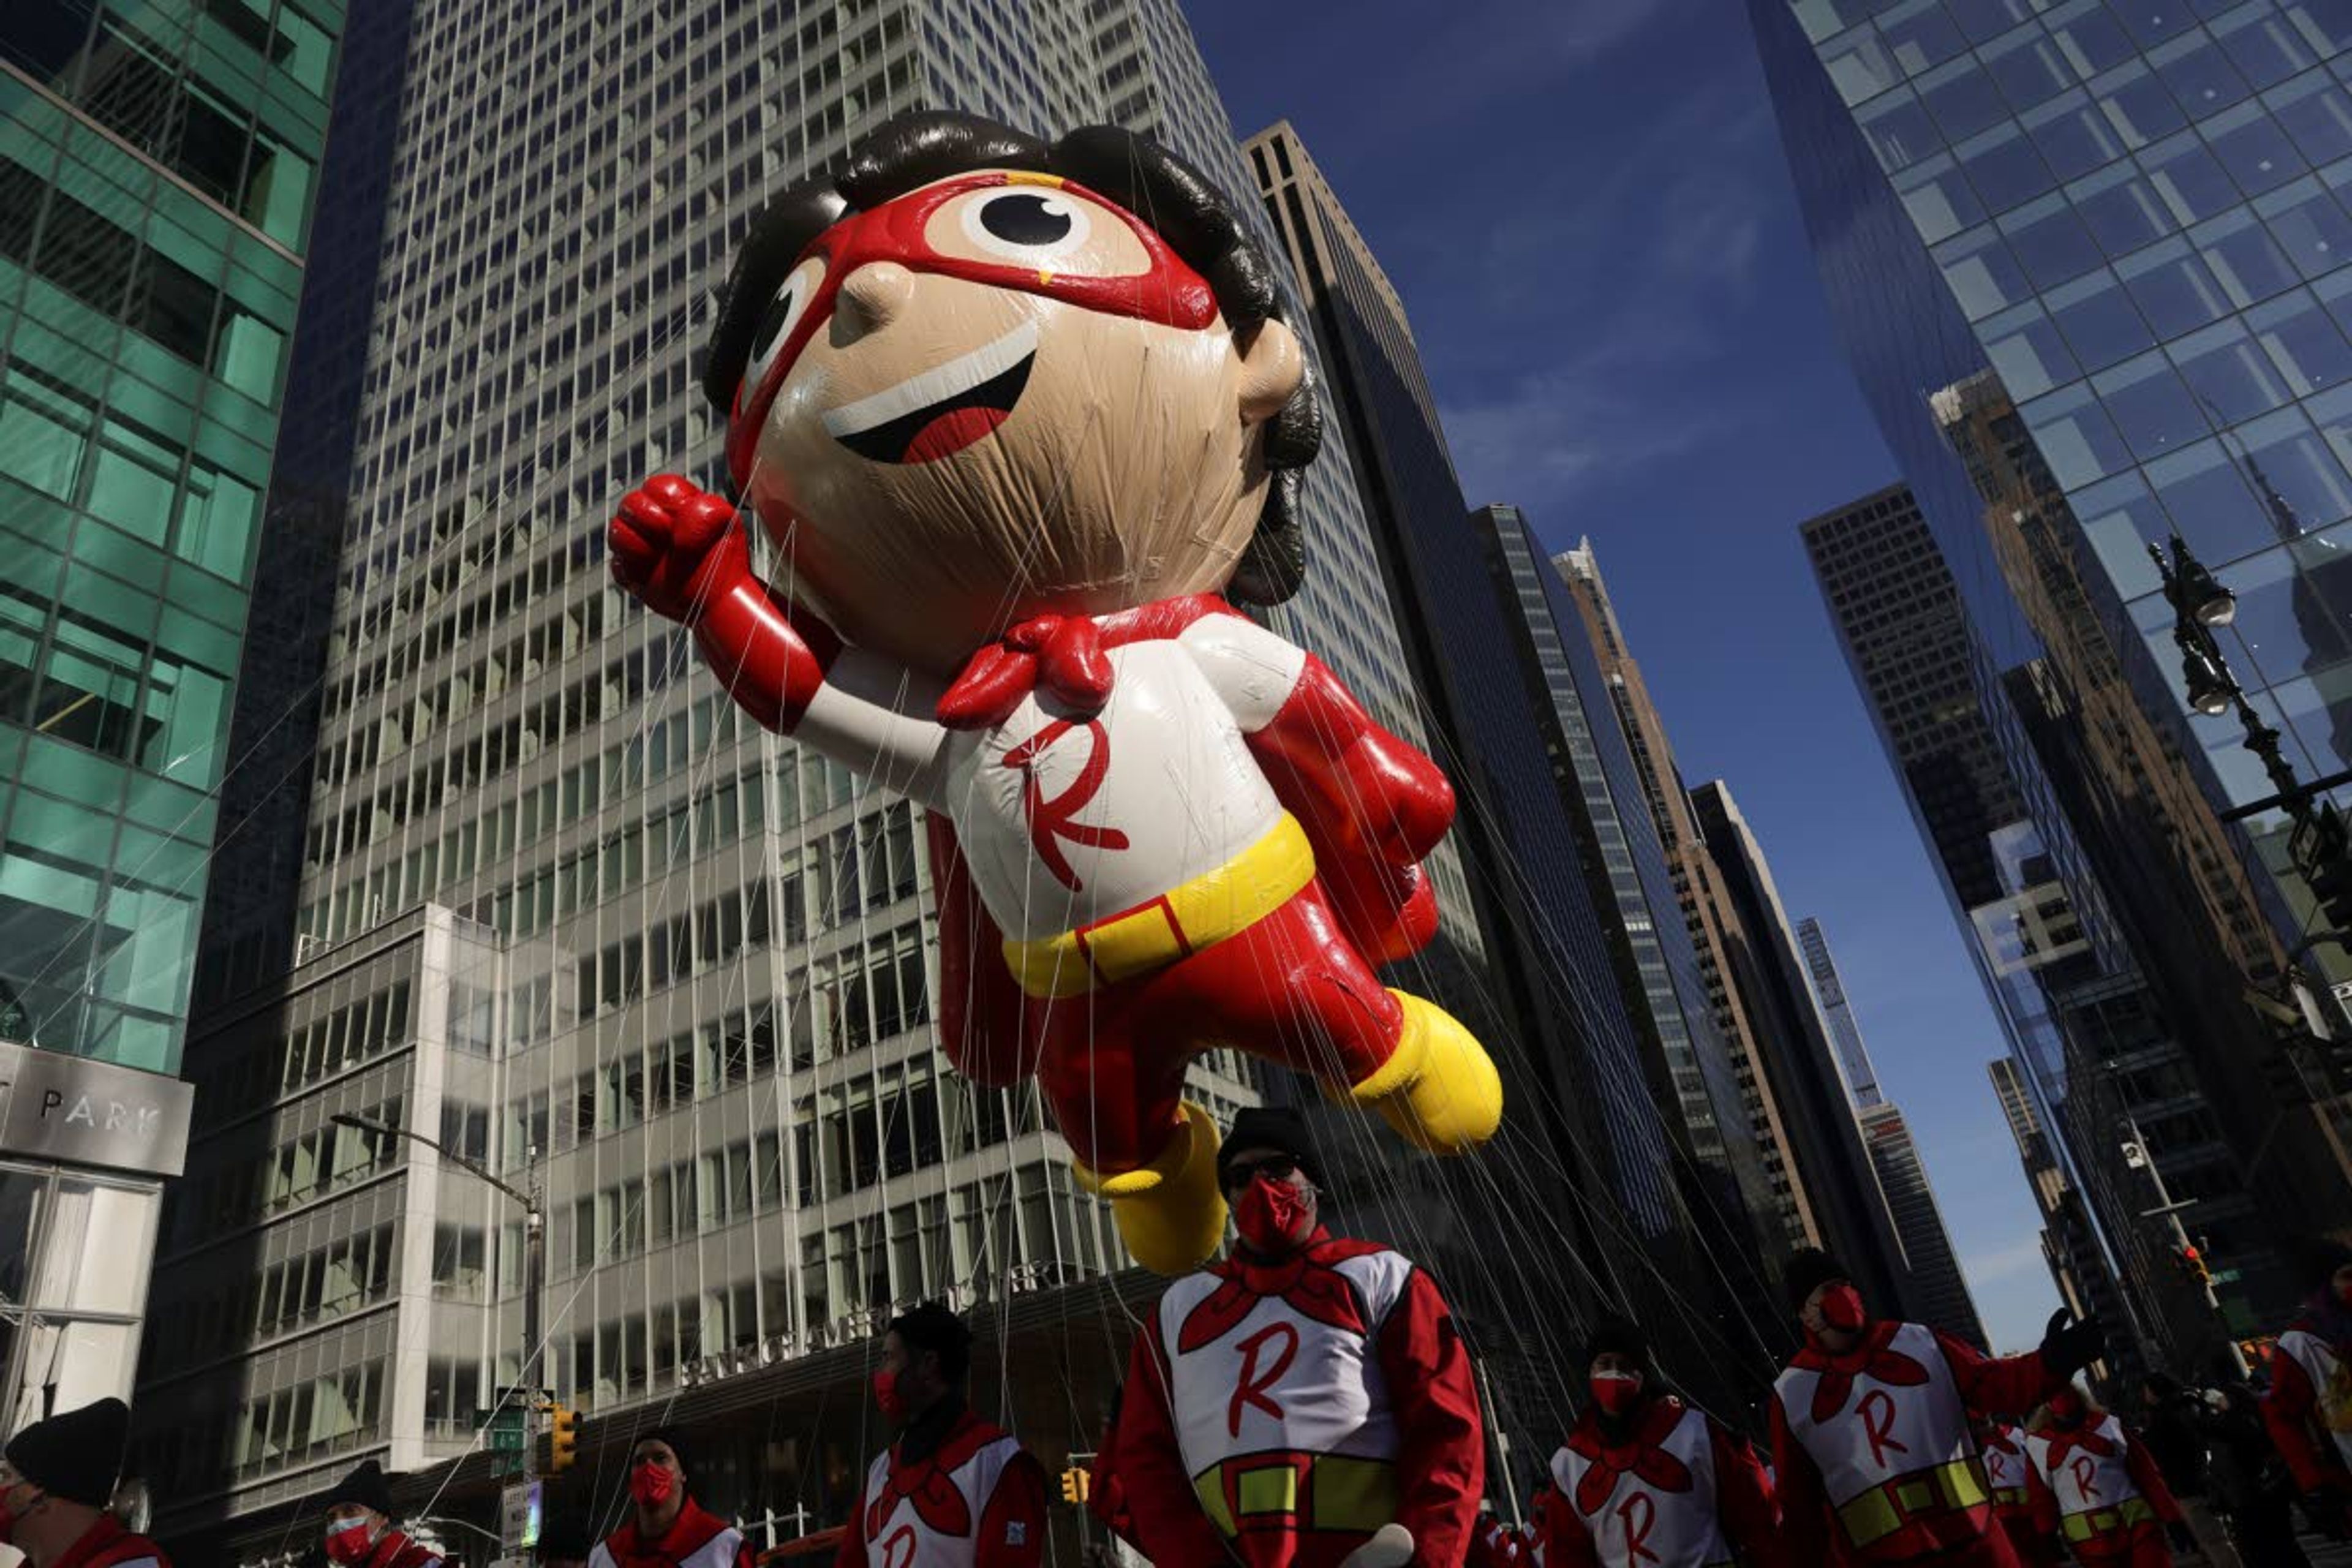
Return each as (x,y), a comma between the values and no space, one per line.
(1585,208)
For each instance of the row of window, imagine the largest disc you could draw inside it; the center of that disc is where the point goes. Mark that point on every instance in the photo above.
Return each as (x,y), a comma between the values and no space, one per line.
(332,1043)
(306,1166)
(318,1287)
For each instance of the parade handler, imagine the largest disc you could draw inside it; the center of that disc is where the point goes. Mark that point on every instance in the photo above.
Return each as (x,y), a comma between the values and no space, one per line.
(1306,1403)
(1872,1448)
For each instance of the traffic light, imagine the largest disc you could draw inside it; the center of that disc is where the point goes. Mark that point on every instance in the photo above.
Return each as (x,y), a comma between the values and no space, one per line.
(2192,1263)
(1075,1481)
(564,1440)
(2322,849)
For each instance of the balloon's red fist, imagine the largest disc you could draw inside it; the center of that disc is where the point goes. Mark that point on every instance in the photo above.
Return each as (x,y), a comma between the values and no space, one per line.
(675,547)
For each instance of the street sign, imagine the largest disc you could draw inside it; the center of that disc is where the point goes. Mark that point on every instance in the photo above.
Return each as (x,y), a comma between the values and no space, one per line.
(518,1518)
(2227,1276)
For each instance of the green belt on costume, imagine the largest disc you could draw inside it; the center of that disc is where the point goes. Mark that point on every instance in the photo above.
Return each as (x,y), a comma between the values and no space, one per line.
(2107,1520)
(1345,1493)
(1887,1507)
(2008,1497)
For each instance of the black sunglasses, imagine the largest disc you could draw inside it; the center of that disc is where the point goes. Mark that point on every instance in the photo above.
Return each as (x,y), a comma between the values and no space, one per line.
(1275,1167)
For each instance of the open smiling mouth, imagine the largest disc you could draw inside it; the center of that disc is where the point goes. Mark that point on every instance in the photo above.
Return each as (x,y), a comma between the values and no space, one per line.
(944,409)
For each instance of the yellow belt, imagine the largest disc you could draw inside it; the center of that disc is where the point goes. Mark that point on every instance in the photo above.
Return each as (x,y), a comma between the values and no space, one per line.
(1887,1507)
(1200,913)
(2008,1497)
(1344,1493)
(2107,1521)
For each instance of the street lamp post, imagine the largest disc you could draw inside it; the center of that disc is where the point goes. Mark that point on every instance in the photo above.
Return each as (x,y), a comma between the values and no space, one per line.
(534,1253)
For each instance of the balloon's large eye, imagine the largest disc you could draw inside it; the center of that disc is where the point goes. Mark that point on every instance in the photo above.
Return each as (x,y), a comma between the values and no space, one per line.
(1026,225)
(784,313)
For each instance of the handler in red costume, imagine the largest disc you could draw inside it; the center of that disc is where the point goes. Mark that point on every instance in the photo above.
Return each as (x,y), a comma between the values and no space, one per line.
(1017,417)
(666,1528)
(2017,1492)
(1306,1403)
(953,1491)
(359,1529)
(1871,1443)
(1646,1481)
(54,1488)
(2101,1490)
(2309,1407)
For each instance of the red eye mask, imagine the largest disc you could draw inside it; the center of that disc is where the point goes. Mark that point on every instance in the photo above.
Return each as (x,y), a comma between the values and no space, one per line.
(1168,291)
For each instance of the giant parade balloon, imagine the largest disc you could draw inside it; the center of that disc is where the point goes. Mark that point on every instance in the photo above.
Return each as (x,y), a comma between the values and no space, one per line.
(1023,426)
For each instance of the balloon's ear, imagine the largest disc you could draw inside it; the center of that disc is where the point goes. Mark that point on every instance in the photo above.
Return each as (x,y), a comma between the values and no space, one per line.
(1273,366)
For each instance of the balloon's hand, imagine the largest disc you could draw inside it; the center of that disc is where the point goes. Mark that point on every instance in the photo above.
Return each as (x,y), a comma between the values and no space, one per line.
(676,547)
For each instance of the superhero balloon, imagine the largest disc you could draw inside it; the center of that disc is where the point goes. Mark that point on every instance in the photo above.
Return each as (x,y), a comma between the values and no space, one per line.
(1016,419)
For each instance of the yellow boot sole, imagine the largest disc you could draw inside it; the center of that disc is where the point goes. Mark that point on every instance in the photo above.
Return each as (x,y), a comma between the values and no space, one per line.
(1440,1090)
(1169,1212)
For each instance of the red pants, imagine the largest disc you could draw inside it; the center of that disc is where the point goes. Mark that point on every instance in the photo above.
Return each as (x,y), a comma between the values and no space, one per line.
(1990,1549)
(1291,990)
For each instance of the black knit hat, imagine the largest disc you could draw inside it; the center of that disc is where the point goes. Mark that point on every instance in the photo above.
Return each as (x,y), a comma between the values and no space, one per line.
(1621,1336)
(365,1486)
(671,1438)
(1270,1127)
(1806,1269)
(76,1455)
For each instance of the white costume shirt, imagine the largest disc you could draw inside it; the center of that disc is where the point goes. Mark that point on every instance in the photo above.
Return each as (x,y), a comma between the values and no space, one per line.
(1882,1430)
(1641,1524)
(1065,822)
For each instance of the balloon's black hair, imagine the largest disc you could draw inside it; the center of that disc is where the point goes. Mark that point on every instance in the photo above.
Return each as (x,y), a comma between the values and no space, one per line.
(1180,203)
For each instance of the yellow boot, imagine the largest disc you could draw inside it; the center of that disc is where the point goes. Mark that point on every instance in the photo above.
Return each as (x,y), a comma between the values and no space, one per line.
(1169,1212)
(1440,1090)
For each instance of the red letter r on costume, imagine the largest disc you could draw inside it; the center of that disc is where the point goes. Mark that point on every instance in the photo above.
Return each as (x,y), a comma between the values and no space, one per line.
(1252,1386)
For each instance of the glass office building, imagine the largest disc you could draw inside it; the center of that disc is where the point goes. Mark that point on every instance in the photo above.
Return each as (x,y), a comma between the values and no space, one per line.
(2083,259)
(157,173)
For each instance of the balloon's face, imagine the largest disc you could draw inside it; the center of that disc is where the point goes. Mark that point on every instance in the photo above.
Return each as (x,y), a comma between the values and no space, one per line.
(995,396)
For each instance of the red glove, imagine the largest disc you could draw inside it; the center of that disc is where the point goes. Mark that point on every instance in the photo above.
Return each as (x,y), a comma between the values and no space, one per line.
(676,548)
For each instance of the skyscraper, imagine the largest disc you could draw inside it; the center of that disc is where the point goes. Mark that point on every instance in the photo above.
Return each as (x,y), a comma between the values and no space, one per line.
(1800,1062)
(560,909)
(1730,1073)
(2130,226)
(2070,1242)
(1939,1293)
(157,171)
(1522,828)
(1589,897)
(2060,970)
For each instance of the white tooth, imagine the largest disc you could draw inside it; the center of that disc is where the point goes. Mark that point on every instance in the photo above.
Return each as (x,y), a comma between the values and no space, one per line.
(935,384)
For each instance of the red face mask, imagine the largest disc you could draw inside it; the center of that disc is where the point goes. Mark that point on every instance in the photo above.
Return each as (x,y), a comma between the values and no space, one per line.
(650,1484)
(1269,1215)
(1615,1392)
(886,1397)
(348,1541)
(1842,1309)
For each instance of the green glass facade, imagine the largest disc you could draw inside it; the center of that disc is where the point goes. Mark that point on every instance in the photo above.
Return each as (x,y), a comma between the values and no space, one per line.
(157,173)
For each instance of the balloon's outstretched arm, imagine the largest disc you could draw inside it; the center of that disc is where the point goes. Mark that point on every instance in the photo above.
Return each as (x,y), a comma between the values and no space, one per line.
(680,551)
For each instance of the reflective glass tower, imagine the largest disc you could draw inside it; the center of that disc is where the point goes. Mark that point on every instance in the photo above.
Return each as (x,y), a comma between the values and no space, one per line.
(2084,259)
(158,165)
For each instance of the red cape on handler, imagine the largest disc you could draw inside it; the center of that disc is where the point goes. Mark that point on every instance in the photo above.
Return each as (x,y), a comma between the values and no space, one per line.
(953,1491)
(2101,1490)
(1646,1481)
(1871,1439)
(2309,1407)
(1306,1403)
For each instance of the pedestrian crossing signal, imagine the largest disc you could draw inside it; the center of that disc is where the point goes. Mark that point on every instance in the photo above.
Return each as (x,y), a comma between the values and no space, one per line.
(563,1441)
(1075,1480)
